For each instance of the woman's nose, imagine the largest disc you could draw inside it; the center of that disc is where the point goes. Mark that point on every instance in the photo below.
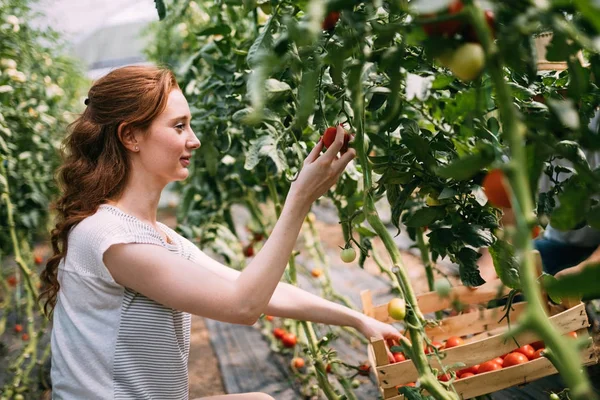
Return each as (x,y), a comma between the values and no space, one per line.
(194,142)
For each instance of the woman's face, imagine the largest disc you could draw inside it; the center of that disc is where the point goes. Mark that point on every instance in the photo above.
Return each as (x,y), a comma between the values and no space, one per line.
(166,148)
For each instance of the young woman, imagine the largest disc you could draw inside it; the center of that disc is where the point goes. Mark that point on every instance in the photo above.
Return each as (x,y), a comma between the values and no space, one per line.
(121,286)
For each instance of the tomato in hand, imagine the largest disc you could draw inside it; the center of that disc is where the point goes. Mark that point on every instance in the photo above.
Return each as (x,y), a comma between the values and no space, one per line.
(399,357)
(489,366)
(493,186)
(514,359)
(329,137)
(397,309)
(348,255)
(527,350)
(454,341)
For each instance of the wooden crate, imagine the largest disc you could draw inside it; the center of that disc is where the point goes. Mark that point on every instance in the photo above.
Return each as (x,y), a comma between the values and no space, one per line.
(484,341)
(541,42)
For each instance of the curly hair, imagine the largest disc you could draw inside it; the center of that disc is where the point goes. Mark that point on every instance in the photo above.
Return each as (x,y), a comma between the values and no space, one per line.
(95,163)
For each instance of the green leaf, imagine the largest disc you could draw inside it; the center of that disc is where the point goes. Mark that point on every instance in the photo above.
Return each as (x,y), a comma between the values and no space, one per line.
(210,156)
(565,112)
(397,197)
(262,148)
(425,216)
(547,281)
(593,217)
(466,167)
(574,204)
(161,9)
(224,30)
(581,284)
(506,264)
(468,269)
(263,42)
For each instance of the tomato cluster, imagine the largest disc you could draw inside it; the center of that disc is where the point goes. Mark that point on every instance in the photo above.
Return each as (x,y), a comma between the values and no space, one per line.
(248,250)
(287,339)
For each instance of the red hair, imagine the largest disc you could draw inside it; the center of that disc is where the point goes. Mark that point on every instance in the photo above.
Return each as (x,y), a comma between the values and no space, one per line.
(95,164)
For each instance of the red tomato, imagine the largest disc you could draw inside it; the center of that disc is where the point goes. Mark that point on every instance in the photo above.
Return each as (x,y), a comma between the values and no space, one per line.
(572,334)
(527,350)
(25,337)
(471,370)
(18,328)
(436,344)
(298,363)
(364,369)
(448,27)
(248,250)
(538,345)
(38,260)
(328,368)
(538,353)
(535,231)
(279,333)
(12,281)
(466,375)
(444,377)
(289,340)
(399,357)
(489,366)
(316,272)
(453,342)
(499,361)
(330,20)
(269,318)
(493,186)
(329,137)
(514,359)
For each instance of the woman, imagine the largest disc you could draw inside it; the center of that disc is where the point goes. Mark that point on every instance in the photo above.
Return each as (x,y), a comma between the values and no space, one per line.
(121,286)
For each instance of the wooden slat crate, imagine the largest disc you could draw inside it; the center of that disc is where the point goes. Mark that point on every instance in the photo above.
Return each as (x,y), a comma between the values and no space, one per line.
(484,342)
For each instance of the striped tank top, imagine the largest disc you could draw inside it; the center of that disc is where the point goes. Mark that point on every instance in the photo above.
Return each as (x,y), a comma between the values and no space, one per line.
(108,341)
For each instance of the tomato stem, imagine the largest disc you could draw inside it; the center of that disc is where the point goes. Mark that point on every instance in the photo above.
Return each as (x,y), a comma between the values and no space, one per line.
(567,360)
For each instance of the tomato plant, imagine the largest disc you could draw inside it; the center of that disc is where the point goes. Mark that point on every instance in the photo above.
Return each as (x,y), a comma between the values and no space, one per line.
(419,131)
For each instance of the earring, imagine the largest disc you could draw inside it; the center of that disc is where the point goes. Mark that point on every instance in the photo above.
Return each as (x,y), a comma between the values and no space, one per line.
(137,148)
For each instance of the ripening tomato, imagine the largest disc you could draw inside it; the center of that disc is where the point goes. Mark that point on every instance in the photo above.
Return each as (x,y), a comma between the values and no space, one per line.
(269,318)
(527,350)
(329,137)
(453,341)
(466,375)
(448,27)
(514,359)
(289,340)
(18,328)
(38,260)
(489,366)
(348,255)
(25,337)
(397,308)
(316,272)
(495,190)
(298,363)
(279,333)
(538,353)
(467,61)
(399,357)
(330,20)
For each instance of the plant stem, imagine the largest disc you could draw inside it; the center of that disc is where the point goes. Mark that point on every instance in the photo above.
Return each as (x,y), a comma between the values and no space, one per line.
(567,360)
(424,249)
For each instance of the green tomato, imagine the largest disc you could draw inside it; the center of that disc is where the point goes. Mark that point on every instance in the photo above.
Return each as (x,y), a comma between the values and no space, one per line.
(432,201)
(442,287)
(397,309)
(467,62)
(355,383)
(554,396)
(348,255)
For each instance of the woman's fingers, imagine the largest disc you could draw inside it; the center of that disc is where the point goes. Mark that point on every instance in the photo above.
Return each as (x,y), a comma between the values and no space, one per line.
(314,153)
(331,153)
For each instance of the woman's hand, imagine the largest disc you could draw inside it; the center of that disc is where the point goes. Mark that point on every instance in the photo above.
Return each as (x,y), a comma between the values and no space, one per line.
(320,171)
(370,327)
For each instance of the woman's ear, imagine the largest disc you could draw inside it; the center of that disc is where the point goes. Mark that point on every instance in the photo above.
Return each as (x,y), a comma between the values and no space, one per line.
(127,137)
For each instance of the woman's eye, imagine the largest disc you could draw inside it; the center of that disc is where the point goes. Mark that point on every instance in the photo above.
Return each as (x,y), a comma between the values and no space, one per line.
(180,127)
